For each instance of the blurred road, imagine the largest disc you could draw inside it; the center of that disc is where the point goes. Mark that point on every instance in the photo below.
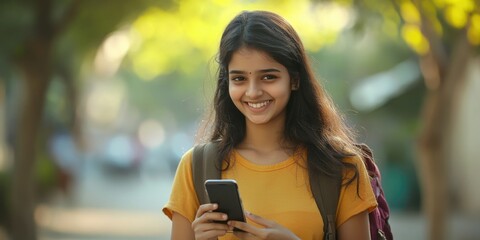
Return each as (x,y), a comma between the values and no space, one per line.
(108,204)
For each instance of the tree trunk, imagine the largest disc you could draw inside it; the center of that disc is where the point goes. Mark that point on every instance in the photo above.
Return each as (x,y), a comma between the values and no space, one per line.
(432,165)
(35,66)
(434,149)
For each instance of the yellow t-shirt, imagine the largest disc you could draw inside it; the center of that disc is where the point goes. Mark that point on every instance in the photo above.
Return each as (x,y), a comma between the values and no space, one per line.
(278,192)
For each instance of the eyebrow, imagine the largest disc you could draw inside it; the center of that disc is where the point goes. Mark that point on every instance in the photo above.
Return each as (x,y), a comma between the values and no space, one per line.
(259,71)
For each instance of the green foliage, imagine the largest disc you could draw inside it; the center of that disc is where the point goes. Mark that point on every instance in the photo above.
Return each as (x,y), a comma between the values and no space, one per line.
(16,24)
(45,174)
(184,38)
(94,20)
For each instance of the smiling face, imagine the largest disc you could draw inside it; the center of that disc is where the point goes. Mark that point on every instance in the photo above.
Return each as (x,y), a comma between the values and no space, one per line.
(259,86)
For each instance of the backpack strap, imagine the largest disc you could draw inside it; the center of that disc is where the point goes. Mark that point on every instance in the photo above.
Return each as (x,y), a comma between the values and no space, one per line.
(326,191)
(204,167)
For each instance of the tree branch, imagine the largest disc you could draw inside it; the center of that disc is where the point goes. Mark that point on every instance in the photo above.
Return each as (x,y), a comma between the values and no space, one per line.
(455,74)
(397,10)
(437,47)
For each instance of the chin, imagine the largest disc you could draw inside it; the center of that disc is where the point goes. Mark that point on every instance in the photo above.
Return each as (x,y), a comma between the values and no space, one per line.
(259,122)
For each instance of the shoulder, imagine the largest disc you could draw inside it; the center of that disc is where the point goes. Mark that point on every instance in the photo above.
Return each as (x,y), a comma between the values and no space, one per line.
(183,198)
(356,193)
(354,169)
(185,163)
(187,156)
(188,153)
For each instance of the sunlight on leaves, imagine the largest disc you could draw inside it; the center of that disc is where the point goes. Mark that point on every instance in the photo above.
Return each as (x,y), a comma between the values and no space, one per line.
(160,42)
(474,30)
(111,53)
(413,37)
(456,16)
(390,21)
(467,5)
(390,28)
(184,38)
(410,12)
(456,12)
(430,12)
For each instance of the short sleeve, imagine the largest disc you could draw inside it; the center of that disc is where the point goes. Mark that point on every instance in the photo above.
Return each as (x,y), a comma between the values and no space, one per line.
(183,199)
(353,202)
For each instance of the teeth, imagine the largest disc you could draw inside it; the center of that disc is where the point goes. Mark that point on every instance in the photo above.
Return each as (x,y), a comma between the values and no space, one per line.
(258,105)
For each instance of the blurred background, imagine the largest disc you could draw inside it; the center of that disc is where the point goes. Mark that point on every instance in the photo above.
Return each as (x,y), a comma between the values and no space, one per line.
(99,100)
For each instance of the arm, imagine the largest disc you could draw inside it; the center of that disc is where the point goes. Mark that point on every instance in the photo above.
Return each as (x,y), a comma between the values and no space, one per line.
(181,227)
(357,227)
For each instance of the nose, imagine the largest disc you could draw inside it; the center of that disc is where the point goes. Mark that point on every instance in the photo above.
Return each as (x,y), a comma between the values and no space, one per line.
(254,90)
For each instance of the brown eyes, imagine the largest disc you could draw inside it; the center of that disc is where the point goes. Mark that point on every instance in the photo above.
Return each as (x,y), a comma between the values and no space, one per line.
(269,77)
(241,78)
(237,79)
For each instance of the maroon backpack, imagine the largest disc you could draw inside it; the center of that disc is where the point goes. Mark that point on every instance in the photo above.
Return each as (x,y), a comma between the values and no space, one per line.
(379,226)
(204,167)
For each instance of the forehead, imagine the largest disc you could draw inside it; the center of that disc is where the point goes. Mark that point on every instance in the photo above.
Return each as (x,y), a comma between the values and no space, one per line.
(250,59)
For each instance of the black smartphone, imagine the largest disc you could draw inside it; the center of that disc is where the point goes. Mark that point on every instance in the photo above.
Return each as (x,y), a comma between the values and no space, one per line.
(224,192)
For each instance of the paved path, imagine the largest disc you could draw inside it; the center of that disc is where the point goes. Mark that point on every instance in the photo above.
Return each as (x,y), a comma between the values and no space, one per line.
(107,205)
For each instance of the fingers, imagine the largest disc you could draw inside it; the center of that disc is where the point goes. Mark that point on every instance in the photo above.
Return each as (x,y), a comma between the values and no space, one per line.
(262,221)
(250,228)
(206,208)
(252,232)
(208,230)
(210,234)
(205,225)
(205,214)
(246,228)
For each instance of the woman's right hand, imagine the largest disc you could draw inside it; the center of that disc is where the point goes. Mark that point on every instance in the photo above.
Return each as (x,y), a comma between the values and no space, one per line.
(204,226)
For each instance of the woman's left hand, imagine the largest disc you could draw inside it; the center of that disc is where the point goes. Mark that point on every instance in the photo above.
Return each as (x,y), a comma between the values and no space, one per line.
(271,230)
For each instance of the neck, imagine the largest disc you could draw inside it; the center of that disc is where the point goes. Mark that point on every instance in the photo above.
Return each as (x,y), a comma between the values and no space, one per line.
(264,137)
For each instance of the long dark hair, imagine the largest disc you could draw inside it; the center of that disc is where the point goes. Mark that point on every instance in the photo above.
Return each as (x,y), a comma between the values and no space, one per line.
(311,118)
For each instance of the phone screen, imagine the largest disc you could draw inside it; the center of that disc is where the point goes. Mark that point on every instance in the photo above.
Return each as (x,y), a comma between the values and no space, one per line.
(224,192)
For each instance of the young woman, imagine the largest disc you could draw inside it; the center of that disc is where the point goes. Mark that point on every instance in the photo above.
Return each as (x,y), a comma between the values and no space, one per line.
(275,126)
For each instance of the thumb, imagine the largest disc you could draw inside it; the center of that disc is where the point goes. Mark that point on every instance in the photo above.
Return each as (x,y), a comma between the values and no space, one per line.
(259,220)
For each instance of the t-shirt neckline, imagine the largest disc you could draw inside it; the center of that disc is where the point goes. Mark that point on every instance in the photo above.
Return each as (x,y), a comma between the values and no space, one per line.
(260,167)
